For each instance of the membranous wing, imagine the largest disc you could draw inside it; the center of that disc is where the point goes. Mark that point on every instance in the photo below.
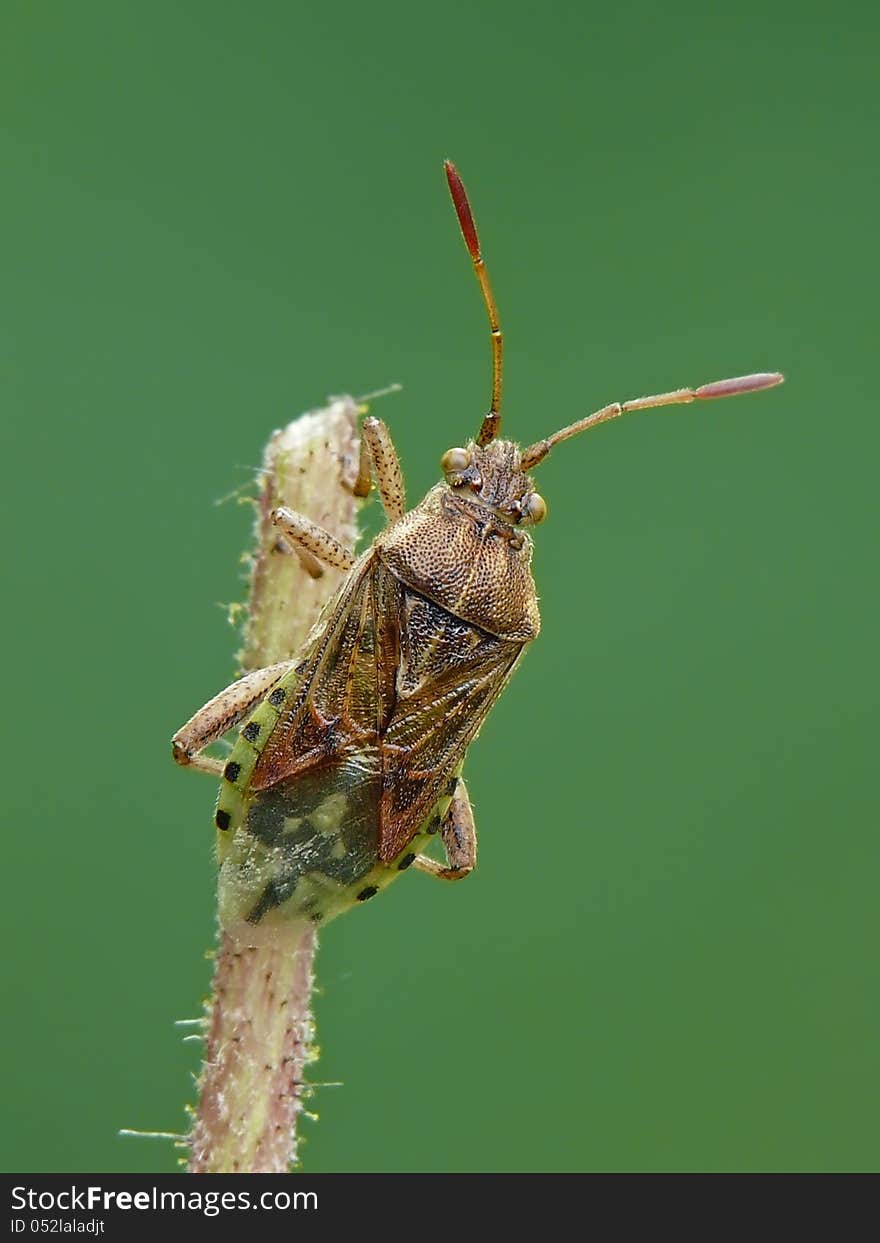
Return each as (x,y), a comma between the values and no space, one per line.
(325,742)
(391,693)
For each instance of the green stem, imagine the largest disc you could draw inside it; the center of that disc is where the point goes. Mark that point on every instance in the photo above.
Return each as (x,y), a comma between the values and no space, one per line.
(259,1027)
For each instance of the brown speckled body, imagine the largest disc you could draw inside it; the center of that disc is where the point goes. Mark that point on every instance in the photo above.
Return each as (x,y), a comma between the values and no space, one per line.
(341,774)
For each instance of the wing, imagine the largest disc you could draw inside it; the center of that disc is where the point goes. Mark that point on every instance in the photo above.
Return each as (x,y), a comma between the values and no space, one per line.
(313,797)
(346,686)
(448,676)
(394,688)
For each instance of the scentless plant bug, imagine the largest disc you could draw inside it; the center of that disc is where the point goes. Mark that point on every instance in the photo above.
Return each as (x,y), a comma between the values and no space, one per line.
(351,754)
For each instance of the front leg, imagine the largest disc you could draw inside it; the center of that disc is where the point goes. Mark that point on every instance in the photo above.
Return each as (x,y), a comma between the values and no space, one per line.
(458,832)
(379,459)
(220,714)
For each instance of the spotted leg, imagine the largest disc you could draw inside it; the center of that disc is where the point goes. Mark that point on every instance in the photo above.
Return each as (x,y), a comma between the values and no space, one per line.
(379,459)
(459,836)
(220,714)
(313,545)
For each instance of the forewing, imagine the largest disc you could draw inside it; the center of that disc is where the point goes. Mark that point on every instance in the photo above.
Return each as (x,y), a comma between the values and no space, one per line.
(449,675)
(346,691)
(394,684)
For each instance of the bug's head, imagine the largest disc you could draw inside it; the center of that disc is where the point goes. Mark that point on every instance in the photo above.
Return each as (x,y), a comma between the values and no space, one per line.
(494,472)
(491,475)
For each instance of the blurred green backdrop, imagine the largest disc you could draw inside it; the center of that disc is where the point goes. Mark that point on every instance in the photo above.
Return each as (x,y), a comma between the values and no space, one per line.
(215,214)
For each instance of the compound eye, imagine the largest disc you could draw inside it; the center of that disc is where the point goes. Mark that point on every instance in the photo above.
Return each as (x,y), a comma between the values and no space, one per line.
(454,461)
(535,508)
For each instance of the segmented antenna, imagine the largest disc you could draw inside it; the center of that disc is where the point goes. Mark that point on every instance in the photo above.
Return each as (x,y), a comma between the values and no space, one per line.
(491,424)
(681,396)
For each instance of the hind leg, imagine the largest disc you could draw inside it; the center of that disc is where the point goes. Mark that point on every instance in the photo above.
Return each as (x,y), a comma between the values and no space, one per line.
(220,714)
(458,833)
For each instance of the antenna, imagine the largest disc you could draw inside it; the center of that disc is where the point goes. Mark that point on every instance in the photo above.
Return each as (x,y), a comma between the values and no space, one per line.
(681,396)
(491,424)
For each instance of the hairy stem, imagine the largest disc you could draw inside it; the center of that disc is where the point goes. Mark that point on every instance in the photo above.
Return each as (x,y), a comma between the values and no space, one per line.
(259,1028)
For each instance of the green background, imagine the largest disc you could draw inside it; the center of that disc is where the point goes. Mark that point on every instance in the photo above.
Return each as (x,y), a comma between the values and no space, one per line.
(215,214)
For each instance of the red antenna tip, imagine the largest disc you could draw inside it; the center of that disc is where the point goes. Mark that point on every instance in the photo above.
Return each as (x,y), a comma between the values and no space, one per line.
(462,209)
(741,384)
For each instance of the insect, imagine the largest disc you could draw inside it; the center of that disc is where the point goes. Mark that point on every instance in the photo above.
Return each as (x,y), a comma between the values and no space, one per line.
(350,756)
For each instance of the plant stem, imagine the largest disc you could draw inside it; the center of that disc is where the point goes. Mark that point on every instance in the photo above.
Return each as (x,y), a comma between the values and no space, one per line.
(259,1027)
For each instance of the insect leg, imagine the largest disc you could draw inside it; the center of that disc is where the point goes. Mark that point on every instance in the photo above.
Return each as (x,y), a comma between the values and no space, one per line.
(459,835)
(379,458)
(220,714)
(312,543)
